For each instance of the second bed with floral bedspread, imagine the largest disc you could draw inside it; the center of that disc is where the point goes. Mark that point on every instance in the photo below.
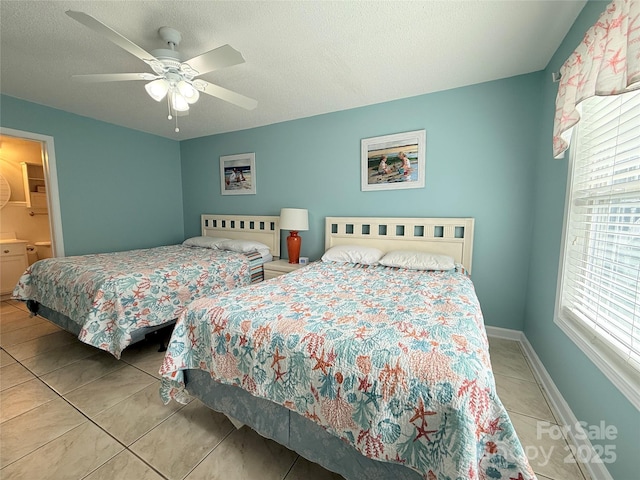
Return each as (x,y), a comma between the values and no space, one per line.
(110,295)
(395,362)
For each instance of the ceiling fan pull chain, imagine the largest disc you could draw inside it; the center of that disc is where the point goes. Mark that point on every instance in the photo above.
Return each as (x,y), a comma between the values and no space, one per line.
(169,117)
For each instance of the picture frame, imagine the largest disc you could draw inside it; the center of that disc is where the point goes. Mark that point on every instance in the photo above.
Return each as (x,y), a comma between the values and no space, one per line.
(238,174)
(397,149)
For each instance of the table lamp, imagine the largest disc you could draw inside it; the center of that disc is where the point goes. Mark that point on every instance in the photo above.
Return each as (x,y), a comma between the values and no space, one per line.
(294,220)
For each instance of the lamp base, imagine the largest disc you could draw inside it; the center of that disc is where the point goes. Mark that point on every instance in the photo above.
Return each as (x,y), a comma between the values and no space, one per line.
(294,242)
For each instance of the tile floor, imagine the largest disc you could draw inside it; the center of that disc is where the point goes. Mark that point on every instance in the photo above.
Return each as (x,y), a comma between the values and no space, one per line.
(70,411)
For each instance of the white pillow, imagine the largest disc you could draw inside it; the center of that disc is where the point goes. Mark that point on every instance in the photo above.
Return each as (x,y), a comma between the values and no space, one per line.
(204,242)
(414,260)
(353,254)
(244,246)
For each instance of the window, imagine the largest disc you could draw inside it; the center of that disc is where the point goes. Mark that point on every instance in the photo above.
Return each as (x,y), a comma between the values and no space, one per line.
(598,304)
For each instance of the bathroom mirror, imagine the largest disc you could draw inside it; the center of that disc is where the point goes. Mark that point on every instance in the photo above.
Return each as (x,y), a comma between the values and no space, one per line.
(5,191)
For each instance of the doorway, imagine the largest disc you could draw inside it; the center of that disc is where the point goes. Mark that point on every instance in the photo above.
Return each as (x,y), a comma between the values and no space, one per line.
(36,195)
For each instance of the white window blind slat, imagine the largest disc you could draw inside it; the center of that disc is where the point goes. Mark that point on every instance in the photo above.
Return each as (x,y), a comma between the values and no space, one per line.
(590,298)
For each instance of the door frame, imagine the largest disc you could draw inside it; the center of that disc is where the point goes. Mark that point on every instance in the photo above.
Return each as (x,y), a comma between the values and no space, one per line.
(51,181)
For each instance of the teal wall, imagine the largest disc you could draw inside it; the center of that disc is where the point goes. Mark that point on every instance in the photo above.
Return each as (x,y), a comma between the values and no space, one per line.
(119,188)
(479,161)
(589,393)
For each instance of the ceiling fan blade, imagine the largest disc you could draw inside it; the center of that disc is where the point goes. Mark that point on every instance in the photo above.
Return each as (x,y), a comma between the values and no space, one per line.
(224,56)
(113,77)
(228,96)
(115,37)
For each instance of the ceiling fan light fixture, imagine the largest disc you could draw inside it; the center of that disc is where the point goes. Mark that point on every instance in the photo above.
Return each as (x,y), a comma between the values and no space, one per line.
(178,102)
(157,89)
(173,80)
(188,91)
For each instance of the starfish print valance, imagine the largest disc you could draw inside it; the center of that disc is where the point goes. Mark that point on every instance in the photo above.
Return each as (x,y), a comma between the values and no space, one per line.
(607,62)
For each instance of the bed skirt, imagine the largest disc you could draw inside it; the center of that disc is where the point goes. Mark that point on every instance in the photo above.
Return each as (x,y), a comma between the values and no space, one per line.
(292,430)
(70,326)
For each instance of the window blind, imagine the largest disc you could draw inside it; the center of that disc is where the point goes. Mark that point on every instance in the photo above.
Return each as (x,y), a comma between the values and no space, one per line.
(601,274)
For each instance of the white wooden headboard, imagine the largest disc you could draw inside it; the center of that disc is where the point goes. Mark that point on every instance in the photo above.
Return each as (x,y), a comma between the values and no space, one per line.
(445,236)
(265,229)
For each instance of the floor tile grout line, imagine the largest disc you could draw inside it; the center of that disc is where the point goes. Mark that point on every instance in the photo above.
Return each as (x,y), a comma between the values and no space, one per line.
(39,376)
(5,345)
(30,380)
(42,336)
(17,384)
(17,323)
(212,450)
(546,402)
(531,369)
(109,373)
(539,385)
(534,382)
(516,378)
(101,411)
(101,465)
(144,371)
(79,386)
(291,467)
(66,365)
(526,358)
(551,422)
(571,452)
(12,306)
(147,463)
(532,417)
(149,431)
(87,419)
(62,346)
(7,353)
(126,449)
(152,428)
(546,399)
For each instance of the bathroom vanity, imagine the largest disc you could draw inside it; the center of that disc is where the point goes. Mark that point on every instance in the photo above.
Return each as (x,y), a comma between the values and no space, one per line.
(13,263)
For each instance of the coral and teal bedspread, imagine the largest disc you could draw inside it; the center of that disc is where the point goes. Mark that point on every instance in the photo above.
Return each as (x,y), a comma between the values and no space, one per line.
(112,294)
(394,362)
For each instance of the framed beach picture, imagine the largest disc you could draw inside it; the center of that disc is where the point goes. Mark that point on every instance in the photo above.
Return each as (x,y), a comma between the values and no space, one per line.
(238,174)
(393,162)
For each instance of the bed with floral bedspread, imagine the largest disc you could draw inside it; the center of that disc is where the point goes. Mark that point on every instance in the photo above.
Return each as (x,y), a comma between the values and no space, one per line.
(108,296)
(394,362)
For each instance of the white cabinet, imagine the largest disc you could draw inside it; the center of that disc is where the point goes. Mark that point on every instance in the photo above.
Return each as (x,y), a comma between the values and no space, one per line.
(34,185)
(279,267)
(13,263)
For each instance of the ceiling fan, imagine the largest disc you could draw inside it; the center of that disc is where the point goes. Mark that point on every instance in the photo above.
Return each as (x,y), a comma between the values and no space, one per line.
(172,78)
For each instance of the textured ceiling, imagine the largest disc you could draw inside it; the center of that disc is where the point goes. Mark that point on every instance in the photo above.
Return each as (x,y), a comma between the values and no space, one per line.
(303,58)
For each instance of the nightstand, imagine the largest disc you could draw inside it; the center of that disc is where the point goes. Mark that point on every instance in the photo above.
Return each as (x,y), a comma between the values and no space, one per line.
(279,267)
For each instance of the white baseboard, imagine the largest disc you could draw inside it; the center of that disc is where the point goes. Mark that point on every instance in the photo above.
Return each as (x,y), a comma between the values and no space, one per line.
(559,405)
(506,333)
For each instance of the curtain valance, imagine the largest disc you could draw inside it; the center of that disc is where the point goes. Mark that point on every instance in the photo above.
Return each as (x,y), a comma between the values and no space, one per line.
(607,62)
